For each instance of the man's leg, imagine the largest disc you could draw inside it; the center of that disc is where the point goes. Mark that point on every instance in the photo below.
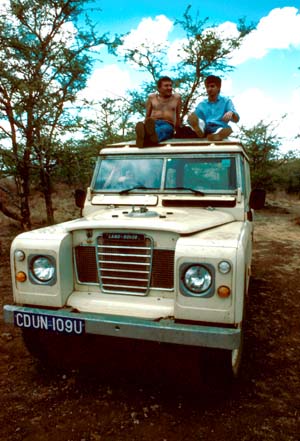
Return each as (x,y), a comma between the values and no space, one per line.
(150,131)
(197,124)
(140,134)
(157,131)
(164,130)
(219,134)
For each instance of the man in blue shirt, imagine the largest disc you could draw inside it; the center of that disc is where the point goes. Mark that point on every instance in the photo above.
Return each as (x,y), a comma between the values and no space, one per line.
(212,115)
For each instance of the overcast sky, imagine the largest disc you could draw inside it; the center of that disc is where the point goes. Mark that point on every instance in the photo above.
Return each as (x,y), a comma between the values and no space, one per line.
(265,84)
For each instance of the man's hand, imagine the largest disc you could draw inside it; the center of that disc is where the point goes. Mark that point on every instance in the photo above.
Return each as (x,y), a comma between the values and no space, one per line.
(228,116)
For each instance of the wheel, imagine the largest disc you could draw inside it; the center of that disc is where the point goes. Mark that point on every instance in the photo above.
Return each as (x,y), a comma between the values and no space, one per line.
(222,365)
(231,360)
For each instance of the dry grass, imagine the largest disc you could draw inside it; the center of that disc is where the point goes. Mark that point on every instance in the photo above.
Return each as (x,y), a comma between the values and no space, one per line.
(63,204)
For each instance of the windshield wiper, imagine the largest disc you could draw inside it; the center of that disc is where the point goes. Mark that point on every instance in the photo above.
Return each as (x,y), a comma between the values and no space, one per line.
(136,187)
(194,190)
(141,187)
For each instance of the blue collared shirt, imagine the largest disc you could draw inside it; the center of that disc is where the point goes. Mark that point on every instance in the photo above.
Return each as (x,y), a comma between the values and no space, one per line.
(212,112)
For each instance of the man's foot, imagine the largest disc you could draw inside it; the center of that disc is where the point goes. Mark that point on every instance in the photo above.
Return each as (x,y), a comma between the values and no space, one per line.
(219,134)
(140,134)
(195,123)
(150,131)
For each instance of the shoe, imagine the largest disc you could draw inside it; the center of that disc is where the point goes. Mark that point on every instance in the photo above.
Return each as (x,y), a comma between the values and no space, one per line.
(150,132)
(140,134)
(196,124)
(219,134)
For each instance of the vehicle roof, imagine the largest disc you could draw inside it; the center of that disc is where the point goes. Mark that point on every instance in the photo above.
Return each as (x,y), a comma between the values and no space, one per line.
(177,145)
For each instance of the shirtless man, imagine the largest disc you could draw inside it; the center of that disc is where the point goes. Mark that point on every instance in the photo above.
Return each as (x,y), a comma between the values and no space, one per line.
(162,115)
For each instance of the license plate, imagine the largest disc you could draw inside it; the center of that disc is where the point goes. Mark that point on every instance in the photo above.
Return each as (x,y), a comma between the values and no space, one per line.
(52,323)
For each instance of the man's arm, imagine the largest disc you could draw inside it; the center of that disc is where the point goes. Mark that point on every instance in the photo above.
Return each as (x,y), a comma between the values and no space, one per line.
(148,107)
(230,114)
(235,117)
(178,111)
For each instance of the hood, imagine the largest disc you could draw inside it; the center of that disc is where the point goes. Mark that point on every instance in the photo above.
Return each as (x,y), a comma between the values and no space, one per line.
(175,220)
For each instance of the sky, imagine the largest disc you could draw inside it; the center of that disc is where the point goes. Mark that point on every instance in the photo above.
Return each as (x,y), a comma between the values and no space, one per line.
(265,82)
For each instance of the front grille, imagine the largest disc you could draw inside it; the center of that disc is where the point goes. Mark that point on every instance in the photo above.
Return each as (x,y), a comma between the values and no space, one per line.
(162,275)
(125,266)
(124,263)
(86,264)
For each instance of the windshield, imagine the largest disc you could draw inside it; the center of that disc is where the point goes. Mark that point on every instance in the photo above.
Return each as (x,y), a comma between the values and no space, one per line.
(201,173)
(204,173)
(120,174)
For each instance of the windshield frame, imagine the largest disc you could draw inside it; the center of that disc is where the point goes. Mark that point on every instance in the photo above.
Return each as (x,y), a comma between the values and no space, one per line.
(162,187)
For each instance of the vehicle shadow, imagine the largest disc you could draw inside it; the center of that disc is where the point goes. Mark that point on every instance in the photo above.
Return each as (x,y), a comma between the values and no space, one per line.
(173,372)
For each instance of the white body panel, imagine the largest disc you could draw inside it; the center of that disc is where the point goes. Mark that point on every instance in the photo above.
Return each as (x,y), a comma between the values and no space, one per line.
(193,228)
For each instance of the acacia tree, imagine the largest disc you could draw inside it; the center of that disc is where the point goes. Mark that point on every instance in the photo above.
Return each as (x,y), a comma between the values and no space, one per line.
(110,121)
(204,50)
(44,62)
(262,146)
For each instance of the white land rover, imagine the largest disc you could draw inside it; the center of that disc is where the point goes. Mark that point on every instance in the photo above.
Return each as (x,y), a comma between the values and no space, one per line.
(162,252)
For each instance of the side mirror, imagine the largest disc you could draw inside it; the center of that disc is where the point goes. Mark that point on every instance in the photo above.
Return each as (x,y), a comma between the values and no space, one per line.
(257,198)
(80,196)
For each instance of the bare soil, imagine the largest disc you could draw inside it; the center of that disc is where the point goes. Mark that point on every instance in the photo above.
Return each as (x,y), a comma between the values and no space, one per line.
(151,392)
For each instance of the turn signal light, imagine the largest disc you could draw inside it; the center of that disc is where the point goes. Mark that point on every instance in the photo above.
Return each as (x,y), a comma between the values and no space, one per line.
(224,291)
(21,276)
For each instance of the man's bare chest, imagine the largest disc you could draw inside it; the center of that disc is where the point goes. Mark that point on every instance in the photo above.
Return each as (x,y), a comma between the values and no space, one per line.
(161,103)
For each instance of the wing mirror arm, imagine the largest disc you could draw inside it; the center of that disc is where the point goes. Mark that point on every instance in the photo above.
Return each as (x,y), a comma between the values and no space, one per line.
(80,196)
(257,198)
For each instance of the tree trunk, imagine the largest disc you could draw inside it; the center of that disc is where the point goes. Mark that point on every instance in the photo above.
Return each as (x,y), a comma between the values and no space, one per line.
(46,184)
(23,192)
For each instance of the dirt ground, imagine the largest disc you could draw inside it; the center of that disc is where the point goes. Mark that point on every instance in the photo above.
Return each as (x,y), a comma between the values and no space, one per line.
(147,392)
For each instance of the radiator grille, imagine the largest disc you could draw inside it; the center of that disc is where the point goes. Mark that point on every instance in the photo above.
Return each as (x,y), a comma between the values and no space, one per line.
(86,264)
(125,267)
(125,263)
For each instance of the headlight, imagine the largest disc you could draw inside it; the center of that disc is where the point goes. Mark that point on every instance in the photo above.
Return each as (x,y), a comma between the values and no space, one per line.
(197,279)
(42,269)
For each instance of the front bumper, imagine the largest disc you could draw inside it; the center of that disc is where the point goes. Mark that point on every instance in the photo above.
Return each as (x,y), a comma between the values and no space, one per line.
(164,330)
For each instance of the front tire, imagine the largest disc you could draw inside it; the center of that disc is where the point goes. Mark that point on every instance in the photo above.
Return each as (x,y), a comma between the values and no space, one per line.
(222,366)
(231,360)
